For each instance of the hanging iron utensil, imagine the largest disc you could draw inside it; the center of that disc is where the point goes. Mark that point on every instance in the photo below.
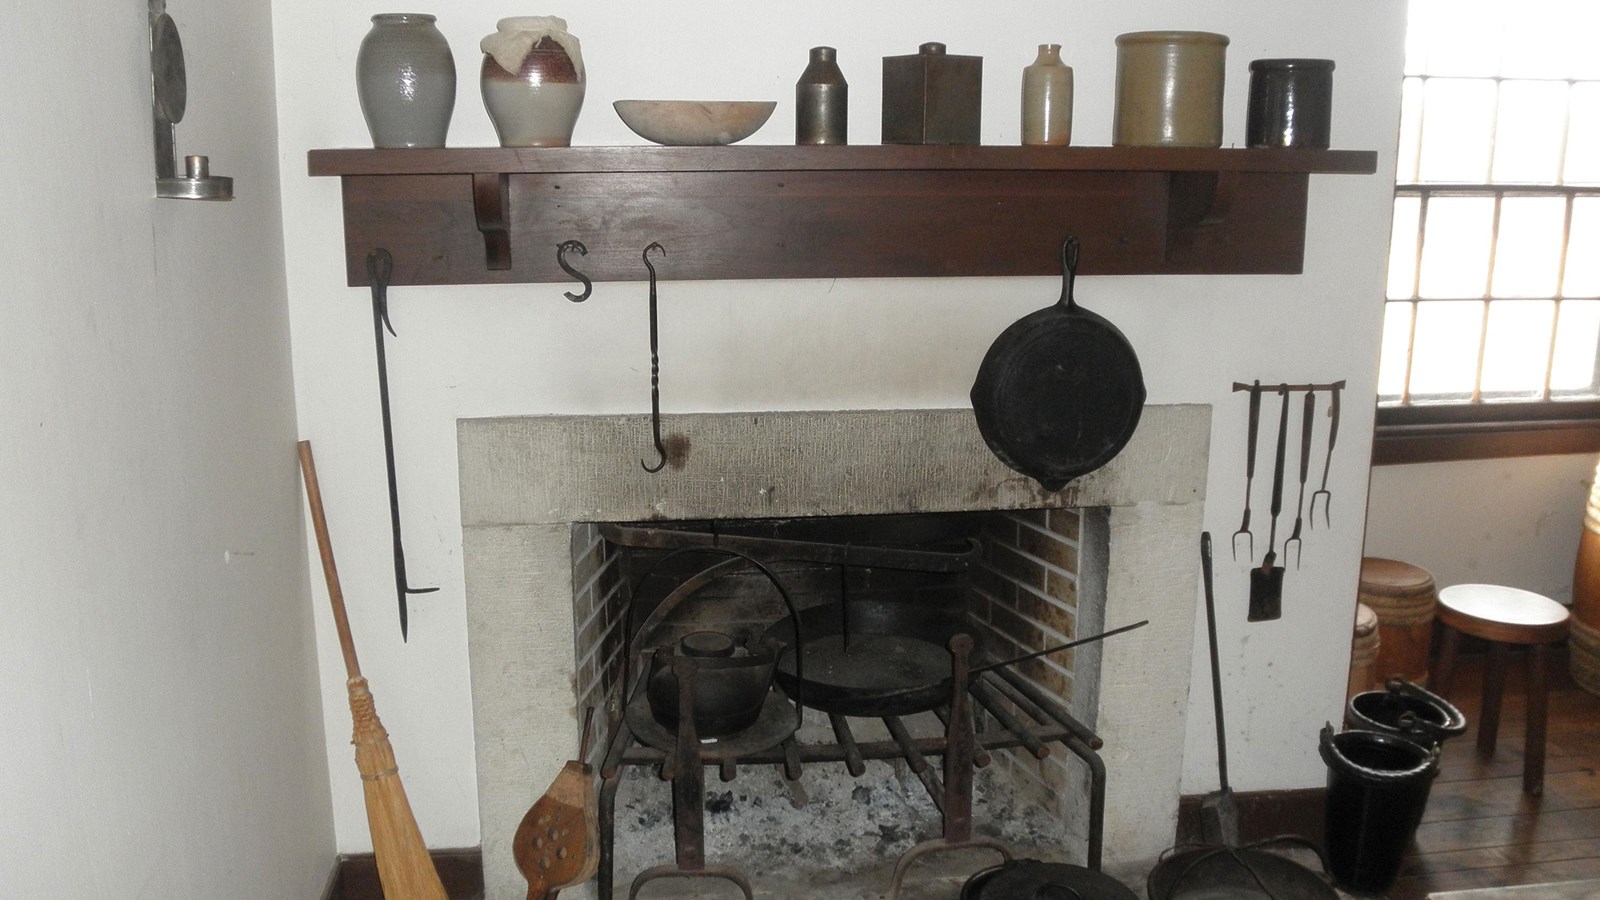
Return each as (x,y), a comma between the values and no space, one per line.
(1221,866)
(380,267)
(562,250)
(1327,462)
(655,368)
(1060,391)
(1219,814)
(1266,580)
(1306,414)
(1249,474)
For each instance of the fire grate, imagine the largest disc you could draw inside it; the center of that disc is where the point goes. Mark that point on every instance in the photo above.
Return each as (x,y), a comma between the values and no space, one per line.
(1020,716)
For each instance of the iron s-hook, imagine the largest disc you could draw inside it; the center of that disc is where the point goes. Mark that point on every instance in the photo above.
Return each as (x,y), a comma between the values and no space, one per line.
(561,260)
(380,267)
(655,367)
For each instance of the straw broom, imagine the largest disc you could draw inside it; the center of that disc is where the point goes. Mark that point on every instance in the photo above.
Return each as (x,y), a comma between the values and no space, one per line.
(404,867)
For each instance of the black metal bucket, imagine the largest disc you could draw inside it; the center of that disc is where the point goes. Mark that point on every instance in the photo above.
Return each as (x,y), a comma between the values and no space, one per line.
(1406,710)
(1378,788)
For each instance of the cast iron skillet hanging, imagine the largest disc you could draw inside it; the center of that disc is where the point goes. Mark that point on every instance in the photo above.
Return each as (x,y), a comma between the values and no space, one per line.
(1060,391)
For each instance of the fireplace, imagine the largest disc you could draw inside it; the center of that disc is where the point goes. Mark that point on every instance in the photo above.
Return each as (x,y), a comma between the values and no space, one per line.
(526,482)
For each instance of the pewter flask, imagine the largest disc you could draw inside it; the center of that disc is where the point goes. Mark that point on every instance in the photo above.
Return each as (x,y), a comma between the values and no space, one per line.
(821,101)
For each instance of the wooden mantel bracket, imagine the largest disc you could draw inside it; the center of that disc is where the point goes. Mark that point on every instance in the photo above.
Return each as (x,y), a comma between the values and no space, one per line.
(491,203)
(1196,200)
(868,211)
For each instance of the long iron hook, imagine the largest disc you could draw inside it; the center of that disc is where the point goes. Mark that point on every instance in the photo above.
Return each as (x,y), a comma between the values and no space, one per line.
(655,368)
(561,260)
(380,267)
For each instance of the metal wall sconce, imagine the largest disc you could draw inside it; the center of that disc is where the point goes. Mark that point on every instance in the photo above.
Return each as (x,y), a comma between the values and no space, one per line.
(169,96)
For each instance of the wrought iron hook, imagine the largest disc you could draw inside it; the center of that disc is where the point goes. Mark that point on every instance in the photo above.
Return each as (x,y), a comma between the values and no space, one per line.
(380,267)
(561,260)
(655,367)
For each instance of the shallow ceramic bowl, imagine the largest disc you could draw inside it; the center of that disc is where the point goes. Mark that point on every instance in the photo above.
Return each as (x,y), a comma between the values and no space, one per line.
(694,123)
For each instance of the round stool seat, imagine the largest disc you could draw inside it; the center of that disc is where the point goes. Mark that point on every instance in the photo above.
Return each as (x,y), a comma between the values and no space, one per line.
(1509,615)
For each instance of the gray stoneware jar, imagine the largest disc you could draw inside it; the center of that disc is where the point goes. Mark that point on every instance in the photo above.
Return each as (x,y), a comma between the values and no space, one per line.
(406,79)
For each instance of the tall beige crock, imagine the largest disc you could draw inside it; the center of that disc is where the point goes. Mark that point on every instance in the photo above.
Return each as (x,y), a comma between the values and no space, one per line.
(1169,89)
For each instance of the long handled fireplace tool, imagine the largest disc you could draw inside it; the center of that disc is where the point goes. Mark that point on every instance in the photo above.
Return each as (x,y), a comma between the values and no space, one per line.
(404,867)
(1221,867)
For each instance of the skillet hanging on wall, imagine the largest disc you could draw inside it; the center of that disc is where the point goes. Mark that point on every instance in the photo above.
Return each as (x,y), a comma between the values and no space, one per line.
(1060,391)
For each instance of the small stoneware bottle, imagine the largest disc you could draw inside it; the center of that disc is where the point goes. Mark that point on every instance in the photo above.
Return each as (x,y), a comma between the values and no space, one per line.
(821,101)
(1047,99)
(532,81)
(406,81)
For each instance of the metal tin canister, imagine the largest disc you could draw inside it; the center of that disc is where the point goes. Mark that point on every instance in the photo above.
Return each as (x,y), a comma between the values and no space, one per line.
(1291,103)
(1169,89)
(822,101)
(932,97)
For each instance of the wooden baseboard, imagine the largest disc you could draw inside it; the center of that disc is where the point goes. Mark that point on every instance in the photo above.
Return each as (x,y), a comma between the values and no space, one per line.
(1262,815)
(355,876)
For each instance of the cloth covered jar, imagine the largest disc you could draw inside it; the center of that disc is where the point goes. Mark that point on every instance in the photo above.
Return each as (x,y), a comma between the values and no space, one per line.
(532,81)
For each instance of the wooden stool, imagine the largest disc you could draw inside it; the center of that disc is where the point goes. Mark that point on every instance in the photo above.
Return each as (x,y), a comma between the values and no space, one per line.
(1404,598)
(1504,616)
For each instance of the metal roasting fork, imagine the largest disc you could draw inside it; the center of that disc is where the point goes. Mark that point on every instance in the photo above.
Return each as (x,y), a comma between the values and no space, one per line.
(1333,436)
(1306,419)
(1249,473)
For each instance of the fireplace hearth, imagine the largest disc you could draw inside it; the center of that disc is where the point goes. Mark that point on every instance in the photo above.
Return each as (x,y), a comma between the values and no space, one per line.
(532,487)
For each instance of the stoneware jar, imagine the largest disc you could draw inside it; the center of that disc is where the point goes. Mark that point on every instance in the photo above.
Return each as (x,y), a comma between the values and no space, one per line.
(533,81)
(1047,99)
(1291,103)
(1169,89)
(406,81)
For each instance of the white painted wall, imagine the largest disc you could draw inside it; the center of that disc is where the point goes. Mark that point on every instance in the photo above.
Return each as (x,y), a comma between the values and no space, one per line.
(482,351)
(161,736)
(1499,521)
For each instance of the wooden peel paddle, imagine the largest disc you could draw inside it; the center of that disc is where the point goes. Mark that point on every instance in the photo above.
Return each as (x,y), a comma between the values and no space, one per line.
(556,846)
(405,869)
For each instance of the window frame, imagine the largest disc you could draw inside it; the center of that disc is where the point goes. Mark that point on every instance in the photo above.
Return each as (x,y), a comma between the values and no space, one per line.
(1413,432)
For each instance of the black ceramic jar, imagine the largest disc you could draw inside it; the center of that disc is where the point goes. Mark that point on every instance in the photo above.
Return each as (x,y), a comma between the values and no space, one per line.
(1291,103)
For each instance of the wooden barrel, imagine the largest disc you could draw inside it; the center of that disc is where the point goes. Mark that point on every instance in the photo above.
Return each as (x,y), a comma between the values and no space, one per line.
(1585,640)
(1404,598)
(1364,652)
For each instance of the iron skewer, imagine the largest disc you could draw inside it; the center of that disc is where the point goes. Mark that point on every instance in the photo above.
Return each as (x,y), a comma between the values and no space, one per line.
(380,267)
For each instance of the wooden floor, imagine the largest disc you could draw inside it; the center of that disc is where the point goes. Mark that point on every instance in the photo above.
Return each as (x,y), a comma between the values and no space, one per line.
(1480,830)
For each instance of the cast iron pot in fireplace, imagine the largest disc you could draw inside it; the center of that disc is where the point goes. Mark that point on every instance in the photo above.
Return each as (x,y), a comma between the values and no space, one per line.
(730,684)
(1030,879)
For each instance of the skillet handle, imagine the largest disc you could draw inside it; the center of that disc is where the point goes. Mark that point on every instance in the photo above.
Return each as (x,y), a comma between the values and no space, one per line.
(1069,272)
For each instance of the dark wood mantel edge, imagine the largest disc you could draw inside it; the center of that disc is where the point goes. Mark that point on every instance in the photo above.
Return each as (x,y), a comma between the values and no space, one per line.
(355,875)
(757,158)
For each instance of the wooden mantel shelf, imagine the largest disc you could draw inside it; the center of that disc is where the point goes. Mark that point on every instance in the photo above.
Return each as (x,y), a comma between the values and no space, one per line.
(493,215)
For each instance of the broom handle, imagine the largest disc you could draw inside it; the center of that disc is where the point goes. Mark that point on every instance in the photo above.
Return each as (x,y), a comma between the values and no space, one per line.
(330,571)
